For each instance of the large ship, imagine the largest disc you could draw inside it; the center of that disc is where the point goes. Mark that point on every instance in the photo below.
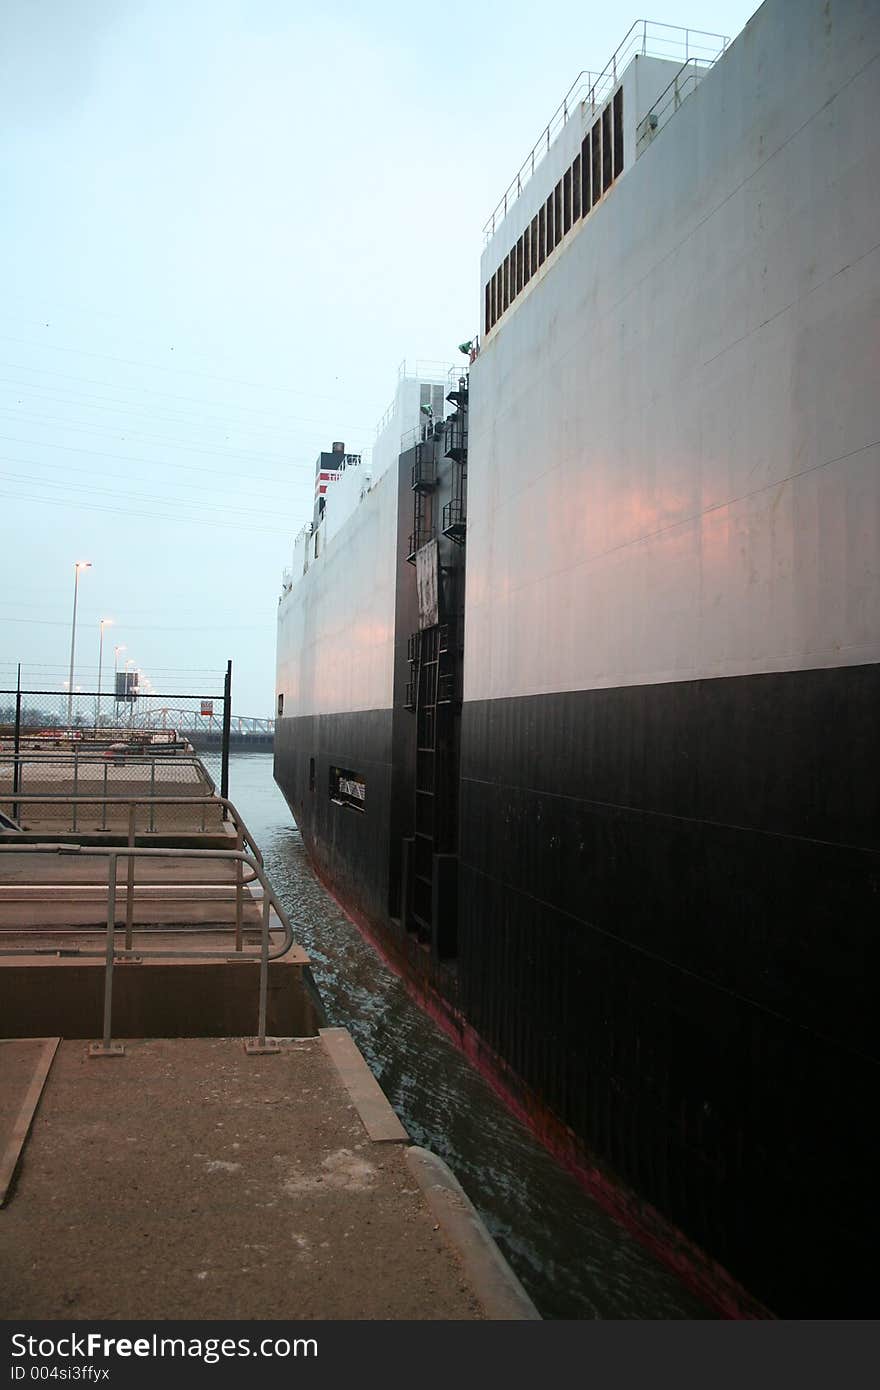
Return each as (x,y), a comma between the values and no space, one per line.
(578,679)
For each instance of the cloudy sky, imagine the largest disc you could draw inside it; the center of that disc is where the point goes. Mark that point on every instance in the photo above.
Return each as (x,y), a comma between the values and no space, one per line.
(223,224)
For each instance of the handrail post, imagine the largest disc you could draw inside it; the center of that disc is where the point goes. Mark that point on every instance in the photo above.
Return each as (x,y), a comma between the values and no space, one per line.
(129,897)
(152,794)
(239,876)
(106,1048)
(75,785)
(104,812)
(264,971)
(260,1045)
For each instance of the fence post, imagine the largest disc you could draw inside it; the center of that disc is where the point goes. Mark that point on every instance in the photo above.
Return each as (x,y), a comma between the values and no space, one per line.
(16,767)
(152,793)
(75,781)
(227,723)
(104,812)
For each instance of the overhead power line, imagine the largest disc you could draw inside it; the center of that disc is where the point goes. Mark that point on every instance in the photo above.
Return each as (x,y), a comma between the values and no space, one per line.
(158,367)
(145,515)
(116,406)
(78,488)
(14,416)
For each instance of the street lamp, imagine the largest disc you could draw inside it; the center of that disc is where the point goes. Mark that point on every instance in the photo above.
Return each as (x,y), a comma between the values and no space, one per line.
(100,669)
(80,565)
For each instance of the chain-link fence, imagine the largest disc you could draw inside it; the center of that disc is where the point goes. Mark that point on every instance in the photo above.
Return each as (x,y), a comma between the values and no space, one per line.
(89,761)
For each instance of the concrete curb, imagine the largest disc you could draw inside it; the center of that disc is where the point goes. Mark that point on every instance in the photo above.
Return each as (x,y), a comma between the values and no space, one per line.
(377,1115)
(495,1284)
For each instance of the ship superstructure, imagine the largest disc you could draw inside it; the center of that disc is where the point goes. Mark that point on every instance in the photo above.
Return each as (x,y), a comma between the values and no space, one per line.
(633,859)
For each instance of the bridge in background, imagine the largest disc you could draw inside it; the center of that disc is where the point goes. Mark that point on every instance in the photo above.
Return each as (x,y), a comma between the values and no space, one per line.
(205,730)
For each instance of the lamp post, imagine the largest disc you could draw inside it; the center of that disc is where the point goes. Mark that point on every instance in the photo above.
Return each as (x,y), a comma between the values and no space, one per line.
(80,565)
(100,670)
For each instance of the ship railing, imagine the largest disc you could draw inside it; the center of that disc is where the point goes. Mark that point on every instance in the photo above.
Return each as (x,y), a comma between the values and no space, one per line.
(646,38)
(458,376)
(424,469)
(423,369)
(410,438)
(683,85)
(454,519)
(242,860)
(386,417)
(419,369)
(417,539)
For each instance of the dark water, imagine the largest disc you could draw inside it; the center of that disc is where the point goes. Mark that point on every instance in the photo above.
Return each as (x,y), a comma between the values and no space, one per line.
(574,1260)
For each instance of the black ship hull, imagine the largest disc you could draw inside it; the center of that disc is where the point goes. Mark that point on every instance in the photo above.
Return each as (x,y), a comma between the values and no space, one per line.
(660,973)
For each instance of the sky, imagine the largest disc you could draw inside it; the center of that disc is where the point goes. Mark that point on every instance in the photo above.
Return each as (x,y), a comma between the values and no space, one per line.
(223,226)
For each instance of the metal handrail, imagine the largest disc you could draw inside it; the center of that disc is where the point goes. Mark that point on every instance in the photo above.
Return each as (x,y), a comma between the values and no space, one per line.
(647,38)
(30,759)
(683,85)
(132,802)
(53,759)
(110,953)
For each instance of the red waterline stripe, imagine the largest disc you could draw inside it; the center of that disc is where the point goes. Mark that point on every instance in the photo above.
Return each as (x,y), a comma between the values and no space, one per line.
(698,1272)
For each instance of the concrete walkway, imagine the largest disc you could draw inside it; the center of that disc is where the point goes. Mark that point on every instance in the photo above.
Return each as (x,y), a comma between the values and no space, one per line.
(188,1180)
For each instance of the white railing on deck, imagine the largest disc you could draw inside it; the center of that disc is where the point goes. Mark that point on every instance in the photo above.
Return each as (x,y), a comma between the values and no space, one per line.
(647,39)
(683,85)
(420,369)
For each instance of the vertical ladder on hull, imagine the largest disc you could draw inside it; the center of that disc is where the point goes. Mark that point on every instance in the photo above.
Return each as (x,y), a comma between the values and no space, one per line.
(426,768)
(431,859)
(434,689)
